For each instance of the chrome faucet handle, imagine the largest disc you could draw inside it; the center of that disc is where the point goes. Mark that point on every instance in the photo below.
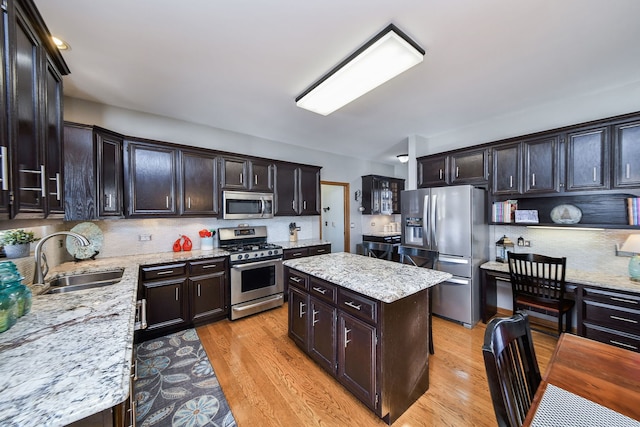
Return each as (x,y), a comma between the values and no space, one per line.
(45,265)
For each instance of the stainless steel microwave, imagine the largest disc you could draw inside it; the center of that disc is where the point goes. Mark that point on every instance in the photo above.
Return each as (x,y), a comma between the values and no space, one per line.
(246,205)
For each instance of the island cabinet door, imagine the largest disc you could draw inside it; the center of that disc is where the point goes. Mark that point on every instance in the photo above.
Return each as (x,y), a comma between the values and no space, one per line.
(298,315)
(357,358)
(322,334)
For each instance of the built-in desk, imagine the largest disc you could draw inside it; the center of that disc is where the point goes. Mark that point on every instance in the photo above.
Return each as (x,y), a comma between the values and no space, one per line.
(607,306)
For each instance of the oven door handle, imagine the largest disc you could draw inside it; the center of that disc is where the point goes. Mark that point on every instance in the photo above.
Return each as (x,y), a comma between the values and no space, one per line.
(256,264)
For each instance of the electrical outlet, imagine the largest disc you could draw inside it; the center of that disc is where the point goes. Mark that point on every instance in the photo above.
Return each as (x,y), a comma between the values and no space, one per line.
(60,243)
(527,243)
(144,237)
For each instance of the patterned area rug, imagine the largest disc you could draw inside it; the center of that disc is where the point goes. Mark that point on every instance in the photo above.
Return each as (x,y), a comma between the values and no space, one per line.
(176,384)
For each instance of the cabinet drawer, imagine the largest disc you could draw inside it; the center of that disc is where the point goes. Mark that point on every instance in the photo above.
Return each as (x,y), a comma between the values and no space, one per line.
(297,279)
(605,335)
(323,290)
(319,250)
(207,266)
(163,271)
(295,253)
(618,318)
(613,298)
(358,305)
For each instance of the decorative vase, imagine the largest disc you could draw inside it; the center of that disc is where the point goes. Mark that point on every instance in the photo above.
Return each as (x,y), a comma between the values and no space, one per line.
(20,250)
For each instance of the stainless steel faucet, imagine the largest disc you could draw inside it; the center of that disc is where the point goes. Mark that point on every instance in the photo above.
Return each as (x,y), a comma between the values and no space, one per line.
(39,255)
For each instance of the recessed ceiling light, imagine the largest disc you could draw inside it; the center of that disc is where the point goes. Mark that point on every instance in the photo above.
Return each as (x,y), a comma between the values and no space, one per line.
(60,44)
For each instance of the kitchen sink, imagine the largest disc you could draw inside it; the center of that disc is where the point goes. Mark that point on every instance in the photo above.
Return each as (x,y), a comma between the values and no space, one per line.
(77,282)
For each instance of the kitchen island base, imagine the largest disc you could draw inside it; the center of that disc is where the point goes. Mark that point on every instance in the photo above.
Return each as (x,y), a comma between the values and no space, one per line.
(378,351)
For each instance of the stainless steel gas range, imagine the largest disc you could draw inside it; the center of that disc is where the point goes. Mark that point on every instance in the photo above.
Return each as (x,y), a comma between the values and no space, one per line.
(256,270)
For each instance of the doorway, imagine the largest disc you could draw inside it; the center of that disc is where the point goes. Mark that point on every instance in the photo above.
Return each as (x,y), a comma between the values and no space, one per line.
(334,219)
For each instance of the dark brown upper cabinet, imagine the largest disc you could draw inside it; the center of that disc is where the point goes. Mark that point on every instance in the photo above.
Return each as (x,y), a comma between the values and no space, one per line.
(109,174)
(261,176)
(54,168)
(199,183)
(541,173)
(373,187)
(507,169)
(626,154)
(587,154)
(297,190)
(93,184)
(285,197)
(309,191)
(31,124)
(152,186)
(469,167)
(234,173)
(239,173)
(432,171)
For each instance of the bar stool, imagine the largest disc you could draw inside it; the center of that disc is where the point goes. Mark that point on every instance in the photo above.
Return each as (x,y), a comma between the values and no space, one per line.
(426,259)
(378,250)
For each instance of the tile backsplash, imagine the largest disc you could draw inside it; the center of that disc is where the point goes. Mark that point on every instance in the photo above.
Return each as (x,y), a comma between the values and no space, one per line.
(587,250)
(121,237)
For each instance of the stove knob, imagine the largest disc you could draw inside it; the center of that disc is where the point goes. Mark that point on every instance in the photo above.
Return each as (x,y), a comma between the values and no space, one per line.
(276,251)
(246,256)
(270,252)
(239,256)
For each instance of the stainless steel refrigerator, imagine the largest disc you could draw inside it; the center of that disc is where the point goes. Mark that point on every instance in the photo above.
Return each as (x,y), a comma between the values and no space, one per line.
(452,222)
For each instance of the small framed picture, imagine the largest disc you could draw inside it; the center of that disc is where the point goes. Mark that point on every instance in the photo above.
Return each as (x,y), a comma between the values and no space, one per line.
(527,216)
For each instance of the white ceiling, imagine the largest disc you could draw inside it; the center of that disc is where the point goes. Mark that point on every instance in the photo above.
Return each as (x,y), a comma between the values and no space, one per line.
(238,65)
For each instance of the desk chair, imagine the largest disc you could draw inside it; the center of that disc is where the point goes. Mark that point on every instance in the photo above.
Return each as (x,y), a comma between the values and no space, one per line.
(512,367)
(538,284)
(426,259)
(378,250)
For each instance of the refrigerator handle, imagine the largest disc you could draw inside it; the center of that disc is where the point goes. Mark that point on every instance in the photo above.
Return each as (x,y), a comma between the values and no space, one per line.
(434,222)
(426,223)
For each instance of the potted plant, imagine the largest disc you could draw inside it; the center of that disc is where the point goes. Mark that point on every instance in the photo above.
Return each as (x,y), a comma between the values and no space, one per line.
(17,242)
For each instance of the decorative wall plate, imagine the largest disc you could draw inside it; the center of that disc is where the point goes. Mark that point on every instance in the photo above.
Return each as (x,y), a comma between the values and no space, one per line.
(566,214)
(91,232)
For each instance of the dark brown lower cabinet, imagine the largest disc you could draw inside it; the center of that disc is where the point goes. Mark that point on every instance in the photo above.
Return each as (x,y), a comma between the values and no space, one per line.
(322,334)
(184,294)
(378,351)
(357,358)
(611,317)
(167,305)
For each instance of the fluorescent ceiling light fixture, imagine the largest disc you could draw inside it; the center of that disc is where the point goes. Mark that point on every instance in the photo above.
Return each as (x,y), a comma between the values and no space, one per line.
(386,55)
(403,158)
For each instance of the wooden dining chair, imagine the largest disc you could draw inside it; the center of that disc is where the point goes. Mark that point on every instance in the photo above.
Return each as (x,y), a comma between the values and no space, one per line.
(538,284)
(421,258)
(378,250)
(512,367)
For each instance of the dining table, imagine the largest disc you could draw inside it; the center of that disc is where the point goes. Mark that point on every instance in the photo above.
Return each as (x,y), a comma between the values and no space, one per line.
(588,383)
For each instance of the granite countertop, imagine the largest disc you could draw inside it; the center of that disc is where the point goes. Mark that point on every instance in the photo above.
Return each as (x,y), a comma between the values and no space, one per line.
(589,278)
(386,281)
(301,243)
(70,356)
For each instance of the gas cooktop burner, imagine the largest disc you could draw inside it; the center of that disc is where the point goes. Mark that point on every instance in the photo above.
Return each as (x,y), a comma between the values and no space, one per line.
(246,244)
(251,247)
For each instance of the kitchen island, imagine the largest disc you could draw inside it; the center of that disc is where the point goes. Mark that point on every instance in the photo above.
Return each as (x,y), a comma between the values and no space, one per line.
(366,322)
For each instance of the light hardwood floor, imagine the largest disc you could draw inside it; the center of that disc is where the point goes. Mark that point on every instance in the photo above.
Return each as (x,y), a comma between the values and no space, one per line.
(268,381)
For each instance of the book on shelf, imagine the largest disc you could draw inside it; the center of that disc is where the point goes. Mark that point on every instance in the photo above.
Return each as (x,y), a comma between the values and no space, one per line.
(503,212)
(633,210)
